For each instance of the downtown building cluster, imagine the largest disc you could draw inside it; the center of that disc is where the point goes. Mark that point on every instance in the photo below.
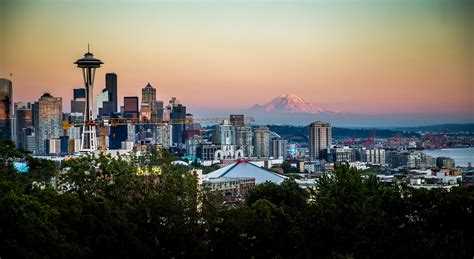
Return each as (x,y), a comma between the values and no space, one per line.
(45,129)
(246,154)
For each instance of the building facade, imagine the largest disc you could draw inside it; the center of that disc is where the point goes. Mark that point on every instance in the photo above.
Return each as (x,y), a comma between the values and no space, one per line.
(262,142)
(6,105)
(338,154)
(225,134)
(445,162)
(278,148)
(130,107)
(111,87)
(103,103)
(372,156)
(244,140)
(164,135)
(78,103)
(24,120)
(49,123)
(237,120)
(149,100)
(320,137)
(178,116)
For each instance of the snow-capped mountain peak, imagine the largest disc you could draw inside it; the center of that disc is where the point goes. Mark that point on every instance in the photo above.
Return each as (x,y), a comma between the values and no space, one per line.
(289,103)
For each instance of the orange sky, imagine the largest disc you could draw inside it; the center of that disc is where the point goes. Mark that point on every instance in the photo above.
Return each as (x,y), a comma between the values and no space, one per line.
(374,57)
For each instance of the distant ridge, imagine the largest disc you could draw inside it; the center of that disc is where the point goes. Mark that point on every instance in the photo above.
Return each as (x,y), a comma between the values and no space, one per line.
(450,128)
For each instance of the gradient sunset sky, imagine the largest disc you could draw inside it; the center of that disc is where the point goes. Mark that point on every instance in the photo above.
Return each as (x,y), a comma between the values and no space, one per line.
(367,57)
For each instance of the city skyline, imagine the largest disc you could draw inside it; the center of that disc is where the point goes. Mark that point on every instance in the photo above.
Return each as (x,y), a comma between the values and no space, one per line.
(334,54)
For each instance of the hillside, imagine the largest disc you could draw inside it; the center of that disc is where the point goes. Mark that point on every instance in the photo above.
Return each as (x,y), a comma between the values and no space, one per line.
(288,131)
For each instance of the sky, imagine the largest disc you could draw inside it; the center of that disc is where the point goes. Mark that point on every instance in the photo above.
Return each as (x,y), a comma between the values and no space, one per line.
(372,57)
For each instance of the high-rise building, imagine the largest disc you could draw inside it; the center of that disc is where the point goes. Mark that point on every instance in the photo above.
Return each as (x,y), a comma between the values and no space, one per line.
(409,159)
(244,140)
(237,120)
(262,142)
(78,103)
(167,113)
(53,147)
(193,143)
(191,124)
(30,139)
(372,156)
(320,137)
(6,99)
(49,123)
(225,134)
(338,154)
(159,111)
(207,151)
(24,120)
(278,148)
(164,135)
(111,87)
(178,116)
(103,103)
(130,107)
(118,134)
(149,98)
(79,93)
(145,113)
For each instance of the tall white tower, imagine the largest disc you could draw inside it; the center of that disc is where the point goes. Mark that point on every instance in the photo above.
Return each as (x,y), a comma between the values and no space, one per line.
(88,64)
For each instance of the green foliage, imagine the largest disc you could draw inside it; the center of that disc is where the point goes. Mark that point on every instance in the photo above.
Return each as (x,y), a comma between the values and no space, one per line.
(371,171)
(288,169)
(206,169)
(104,209)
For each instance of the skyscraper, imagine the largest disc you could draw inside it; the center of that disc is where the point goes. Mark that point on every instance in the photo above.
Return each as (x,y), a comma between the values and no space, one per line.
(118,134)
(262,142)
(49,123)
(178,116)
(145,113)
(130,107)
(164,135)
(111,87)
(78,103)
(245,140)
(24,120)
(225,134)
(159,111)
(149,98)
(320,137)
(6,98)
(278,148)
(237,120)
(103,103)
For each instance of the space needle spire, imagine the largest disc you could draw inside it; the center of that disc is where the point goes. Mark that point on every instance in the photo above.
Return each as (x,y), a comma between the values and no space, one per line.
(88,64)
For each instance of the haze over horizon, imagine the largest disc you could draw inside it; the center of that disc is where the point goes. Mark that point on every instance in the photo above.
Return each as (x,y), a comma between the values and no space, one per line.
(404,59)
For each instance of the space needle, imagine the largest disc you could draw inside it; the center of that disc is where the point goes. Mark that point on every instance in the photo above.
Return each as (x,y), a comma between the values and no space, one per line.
(88,64)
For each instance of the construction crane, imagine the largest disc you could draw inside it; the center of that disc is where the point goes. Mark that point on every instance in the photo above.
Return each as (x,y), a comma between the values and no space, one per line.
(370,141)
(351,141)
(136,121)
(114,122)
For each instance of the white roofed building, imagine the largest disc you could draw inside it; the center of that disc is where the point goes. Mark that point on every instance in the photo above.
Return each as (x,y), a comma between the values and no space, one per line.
(243,168)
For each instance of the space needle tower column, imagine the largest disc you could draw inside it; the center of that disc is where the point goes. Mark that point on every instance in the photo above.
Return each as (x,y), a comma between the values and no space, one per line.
(88,64)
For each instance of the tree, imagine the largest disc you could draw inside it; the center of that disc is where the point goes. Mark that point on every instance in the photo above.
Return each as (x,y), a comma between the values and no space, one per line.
(106,209)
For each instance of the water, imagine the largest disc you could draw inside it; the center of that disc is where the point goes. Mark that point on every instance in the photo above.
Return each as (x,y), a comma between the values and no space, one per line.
(460,155)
